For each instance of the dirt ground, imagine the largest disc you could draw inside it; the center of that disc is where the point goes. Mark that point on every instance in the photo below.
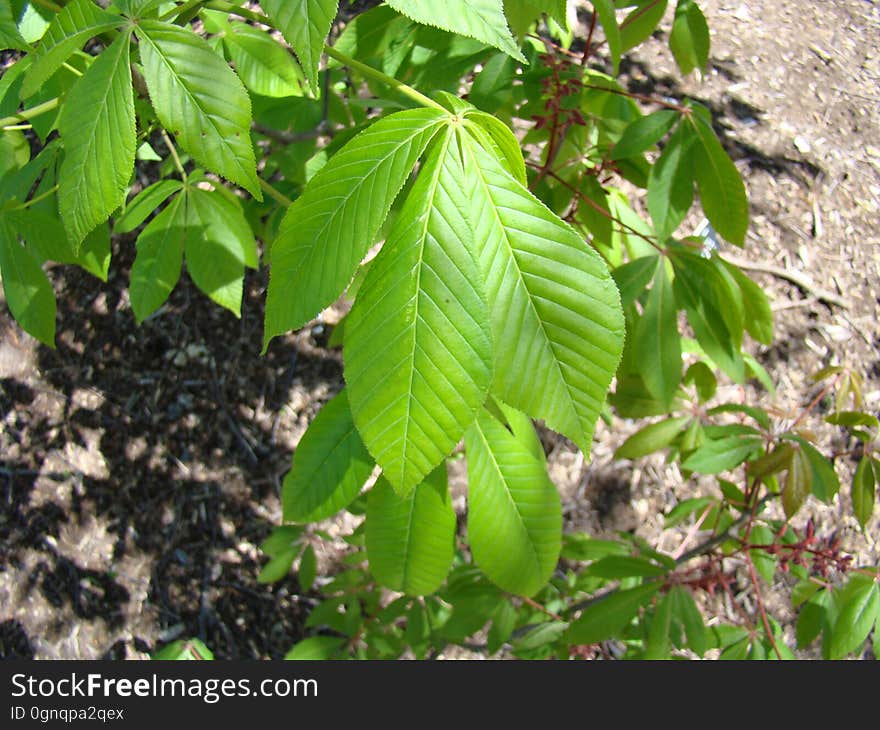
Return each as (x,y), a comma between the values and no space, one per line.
(140,467)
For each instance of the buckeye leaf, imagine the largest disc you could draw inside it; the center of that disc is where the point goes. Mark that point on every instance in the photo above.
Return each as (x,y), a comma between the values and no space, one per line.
(219,244)
(418,353)
(330,466)
(305,25)
(689,38)
(604,9)
(28,292)
(863,491)
(159,259)
(671,184)
(722,193)
(641,22)
(10,38)
(200,100)
(657,341)
(328,229)
(644,133)
(514,512)
(410,540)
(264,66)
(69,30)
(480,19)
(97,127)
(557,324)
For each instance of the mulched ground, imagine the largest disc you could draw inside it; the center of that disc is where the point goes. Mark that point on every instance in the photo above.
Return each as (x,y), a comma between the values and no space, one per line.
(141,467)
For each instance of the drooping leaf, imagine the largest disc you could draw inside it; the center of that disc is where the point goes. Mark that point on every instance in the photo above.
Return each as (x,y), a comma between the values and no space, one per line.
(722,193)
(824,482)
(328,229)
(159,259)
(514,512)
(758,315)
(685,611)
(10,38)
(305,25)
(813,618)
(219,245)
(418,352)
(410,540)
(609,615)
(860,609)
(651,438)
(29,294)
(605,11)
(145,204)
(480,19)
(644,133)
(633,277)
(641,23)
(521,14)
(200,100)
(798,483)
(863,491)
(263,65)
(97,126)
(689,39)
(657,340)
(671,184)
(658,643)
(330,466)
(308,568)
(557,361)
(69,30)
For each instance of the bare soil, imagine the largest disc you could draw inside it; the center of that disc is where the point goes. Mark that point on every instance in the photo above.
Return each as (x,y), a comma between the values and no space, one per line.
(140,467)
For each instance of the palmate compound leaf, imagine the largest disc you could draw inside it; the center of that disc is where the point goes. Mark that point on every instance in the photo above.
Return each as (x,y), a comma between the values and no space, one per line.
(514,512)
(418,353)
(305,25)
(200,100)
(410,540)
(328,229)
(480,19)
(557,323)
(97,126)
(330,466)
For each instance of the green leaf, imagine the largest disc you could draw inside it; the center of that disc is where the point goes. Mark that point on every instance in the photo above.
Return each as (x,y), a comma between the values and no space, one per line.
(605,12)
(541,635)
(558,361)
(625,566)
(200,100)
(685,611)
(68,31)
(824,482)
(633,277)
(316,648)
(758,315)
(505,142)
(263,65)
(280,540)
(97,127)
(305,25)
(184,650)
(159,259)
(863,491)
(671,184)
(651,438)
(514,512)
(329,228)
(29,294)
(657,340)
(860,606)
(610,615)
(641,23)
(722,454)
(813,618)
(330,466)
(480,19)
(658,643)
(144,204)
(722,193)
(10,38)
(493,85)
(701,376)
(521,14)
(278,566)
(644,133)
(851,419)
(689,39)
(219,245)
(579,546)
(418,351)
(798,483)
(765,562)
(308,568)
(503,623)
(410,540)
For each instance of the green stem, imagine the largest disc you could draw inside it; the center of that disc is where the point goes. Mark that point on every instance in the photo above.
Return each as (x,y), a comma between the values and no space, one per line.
(51,191)
(28,114)
(173,149)
(181,9)
(409,91)
(17,127)
(227,7)
(274,193)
